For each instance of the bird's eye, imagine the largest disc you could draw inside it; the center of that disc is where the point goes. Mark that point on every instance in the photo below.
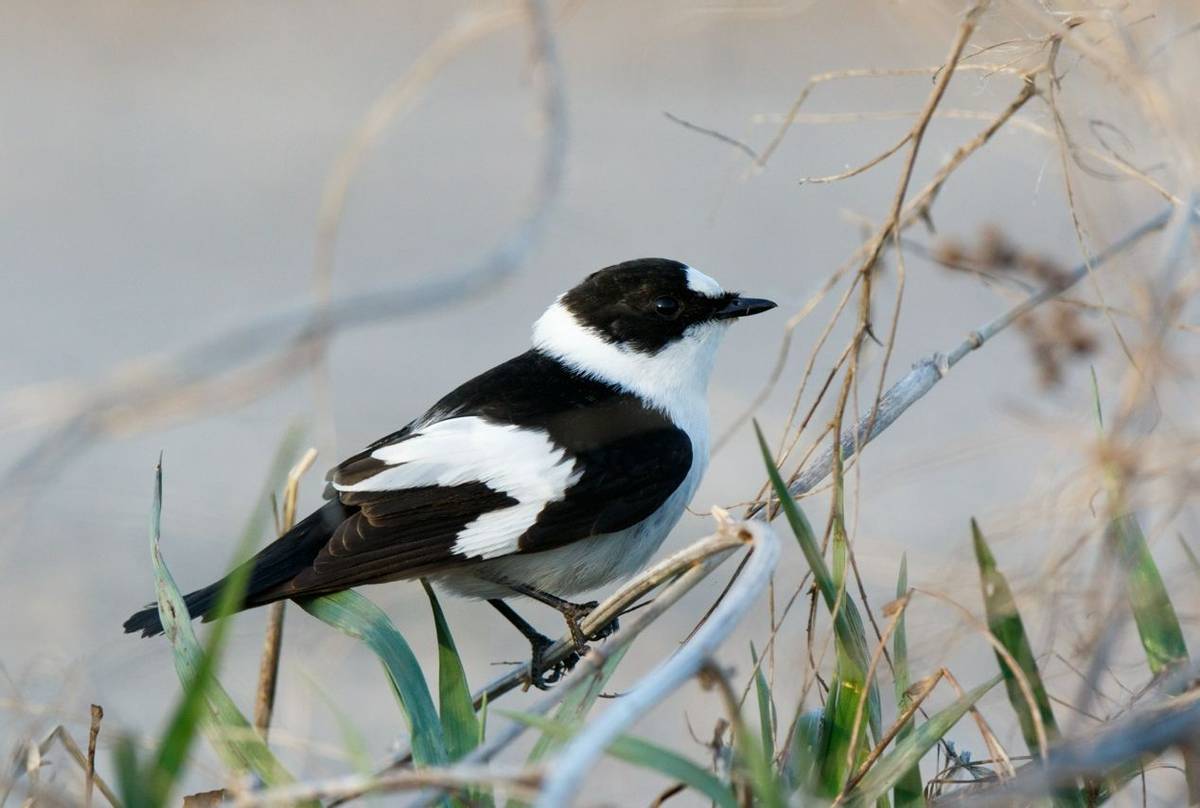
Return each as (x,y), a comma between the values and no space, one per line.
(667,307)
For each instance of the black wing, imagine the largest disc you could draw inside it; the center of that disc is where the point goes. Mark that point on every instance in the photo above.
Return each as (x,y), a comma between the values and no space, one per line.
(622,461)
(626,459)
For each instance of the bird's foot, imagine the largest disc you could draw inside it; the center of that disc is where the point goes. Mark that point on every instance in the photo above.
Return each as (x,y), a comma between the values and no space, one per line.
(608,629)
(543,674)
(575,614)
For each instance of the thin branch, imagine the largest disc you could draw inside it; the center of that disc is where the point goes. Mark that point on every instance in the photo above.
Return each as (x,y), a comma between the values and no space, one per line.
(97,715)
(793,113)
(60,734)
(916,210)
(679,573)
(713,133)
(455,778)
(715,547)
(1144,733)
(929,371)
(581,752)
(855,726)
(268,669)
(859,169)
(917,695)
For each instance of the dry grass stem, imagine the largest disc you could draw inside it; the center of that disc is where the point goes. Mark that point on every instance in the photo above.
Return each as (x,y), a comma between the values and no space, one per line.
(918,692)
(268,669)
(880,646)
(97,715)
(581,752)
(705,554)
(520,782)
(928,372)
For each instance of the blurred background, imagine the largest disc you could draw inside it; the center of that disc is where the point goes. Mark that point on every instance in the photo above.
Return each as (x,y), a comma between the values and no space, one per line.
(163,167)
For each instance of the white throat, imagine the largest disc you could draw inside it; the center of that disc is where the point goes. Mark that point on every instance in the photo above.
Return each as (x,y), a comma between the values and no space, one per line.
(674,380)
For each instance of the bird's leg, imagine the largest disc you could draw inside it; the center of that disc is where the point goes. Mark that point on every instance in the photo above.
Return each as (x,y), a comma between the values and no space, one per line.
(573,613)
(539,675)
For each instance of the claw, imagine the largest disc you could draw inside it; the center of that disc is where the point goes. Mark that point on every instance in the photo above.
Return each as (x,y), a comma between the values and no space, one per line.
(575,614)
(542,675)
(607,630)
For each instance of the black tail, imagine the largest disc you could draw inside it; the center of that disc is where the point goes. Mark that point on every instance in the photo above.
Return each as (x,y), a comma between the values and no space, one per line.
(274,565)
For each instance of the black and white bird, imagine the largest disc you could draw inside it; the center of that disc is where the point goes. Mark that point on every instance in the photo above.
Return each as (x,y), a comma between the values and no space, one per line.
(551,474)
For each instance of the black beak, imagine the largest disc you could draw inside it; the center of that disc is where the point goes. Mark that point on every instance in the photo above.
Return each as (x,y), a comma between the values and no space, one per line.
(743,307)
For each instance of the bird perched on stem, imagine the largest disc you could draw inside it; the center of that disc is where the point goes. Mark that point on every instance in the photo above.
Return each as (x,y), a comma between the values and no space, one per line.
(549,475)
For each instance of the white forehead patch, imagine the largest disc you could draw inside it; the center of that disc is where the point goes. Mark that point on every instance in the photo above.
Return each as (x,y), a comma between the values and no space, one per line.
(701,284)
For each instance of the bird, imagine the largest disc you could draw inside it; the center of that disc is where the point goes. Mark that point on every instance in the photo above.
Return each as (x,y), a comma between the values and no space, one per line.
(551,474)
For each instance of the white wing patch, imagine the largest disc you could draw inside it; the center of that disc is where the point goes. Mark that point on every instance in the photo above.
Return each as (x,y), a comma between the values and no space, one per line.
(522,463)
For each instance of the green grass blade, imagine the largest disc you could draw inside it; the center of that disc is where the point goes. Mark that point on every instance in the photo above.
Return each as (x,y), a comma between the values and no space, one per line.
(131,784)
(1157,623)
(758,768)
(850,637)
(576,705)
(803,531)
(804,762)
(483,716)
(205,703)
(841,703)
(646,755)
(1096,399)
(457,708)
(907,790)
(1153,612)
(894,765)
(1004,621)
(847,689)
(572,710)
(848,625)
(766,708)
(354,615)
(185,721)
(1193,562)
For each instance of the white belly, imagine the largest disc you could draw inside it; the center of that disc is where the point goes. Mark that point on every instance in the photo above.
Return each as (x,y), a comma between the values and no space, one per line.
(589,563)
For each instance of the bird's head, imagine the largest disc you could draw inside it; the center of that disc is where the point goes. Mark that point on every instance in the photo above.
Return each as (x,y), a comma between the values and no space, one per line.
(650,323)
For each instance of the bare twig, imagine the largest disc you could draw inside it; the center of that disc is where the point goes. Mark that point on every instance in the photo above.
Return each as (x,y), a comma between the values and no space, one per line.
(1144,733)
(716,547)
(1120,167)
(996,750)
(701,558)
(1018,673)
(929,371)
(852,750)
(793,113)
(268,669)
(97,713)
(581,752)
(455,778)
(59,733)
(917,695)
(917,209)
(713,133)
